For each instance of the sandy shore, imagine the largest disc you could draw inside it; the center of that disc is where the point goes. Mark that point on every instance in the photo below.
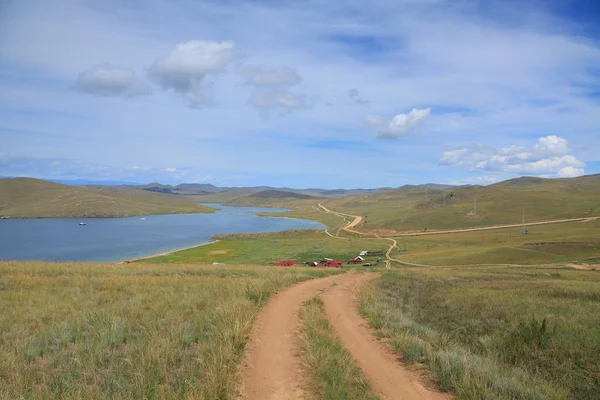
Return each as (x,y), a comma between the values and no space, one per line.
(167,252)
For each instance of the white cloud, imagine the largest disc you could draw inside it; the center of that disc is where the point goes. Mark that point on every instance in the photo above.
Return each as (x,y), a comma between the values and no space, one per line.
(271,89)
(375,122)
(400,125)
(267,99)
(550,156)
(107,80)
(186,68)
(271,76)
(170,169)
(570,172)
(496,79)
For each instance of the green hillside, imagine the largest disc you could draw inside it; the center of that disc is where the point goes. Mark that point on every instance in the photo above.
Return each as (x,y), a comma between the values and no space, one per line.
(502,203)
(34,198)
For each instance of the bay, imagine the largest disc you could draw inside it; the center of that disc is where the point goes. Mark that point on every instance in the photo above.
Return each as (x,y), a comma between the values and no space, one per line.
(117,239)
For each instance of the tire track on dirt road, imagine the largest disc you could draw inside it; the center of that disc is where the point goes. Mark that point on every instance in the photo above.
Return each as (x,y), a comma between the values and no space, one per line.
(357,220)
(271,369)
(390,379)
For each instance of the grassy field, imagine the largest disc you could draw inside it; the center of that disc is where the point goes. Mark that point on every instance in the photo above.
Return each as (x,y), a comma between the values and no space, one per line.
(333,373)
(557,243)
(418,209)
(300,245)
(95,331)
(34,198)
(493,333)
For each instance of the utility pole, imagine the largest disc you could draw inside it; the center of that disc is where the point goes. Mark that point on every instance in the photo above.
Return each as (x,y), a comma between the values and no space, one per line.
(444,197)
(523,222)
(475,206)
(426,189)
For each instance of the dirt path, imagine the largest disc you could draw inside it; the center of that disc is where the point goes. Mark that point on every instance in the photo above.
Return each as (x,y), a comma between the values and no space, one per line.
(584,267)
(358,219)
(389,259)
(271,367)
(387,376)
(488,228)
(387,254)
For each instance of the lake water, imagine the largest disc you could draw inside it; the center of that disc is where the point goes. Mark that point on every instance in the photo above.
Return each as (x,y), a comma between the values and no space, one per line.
(116,239)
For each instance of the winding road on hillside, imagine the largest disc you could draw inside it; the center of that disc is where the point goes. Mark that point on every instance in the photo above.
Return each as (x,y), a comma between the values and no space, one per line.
(272,368)
(357,220)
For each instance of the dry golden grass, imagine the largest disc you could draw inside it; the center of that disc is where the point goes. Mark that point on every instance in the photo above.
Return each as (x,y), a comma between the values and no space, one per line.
(95,331)
(494,333)
(34,198)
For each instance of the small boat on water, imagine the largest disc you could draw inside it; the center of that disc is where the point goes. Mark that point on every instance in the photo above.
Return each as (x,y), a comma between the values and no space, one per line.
(82,223)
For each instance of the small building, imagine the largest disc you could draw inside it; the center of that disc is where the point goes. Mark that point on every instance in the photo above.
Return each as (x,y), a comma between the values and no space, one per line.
(363,253)
(356,260)
(335,263)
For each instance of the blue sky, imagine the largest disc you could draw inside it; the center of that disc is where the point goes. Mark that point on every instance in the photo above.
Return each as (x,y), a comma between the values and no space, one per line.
(299,93)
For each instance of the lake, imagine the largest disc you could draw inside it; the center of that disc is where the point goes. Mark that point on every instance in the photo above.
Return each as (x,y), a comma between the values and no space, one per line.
(117,239)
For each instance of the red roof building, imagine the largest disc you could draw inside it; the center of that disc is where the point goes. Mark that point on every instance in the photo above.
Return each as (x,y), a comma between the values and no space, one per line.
(287,263)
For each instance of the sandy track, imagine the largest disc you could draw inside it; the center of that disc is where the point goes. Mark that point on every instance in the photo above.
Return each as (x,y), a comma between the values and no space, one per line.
(584,267)
(271,368)
(389,259)
(387,376)
(357,219)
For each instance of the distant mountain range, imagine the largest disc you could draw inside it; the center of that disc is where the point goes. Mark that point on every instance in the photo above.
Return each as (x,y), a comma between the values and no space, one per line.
(196,189)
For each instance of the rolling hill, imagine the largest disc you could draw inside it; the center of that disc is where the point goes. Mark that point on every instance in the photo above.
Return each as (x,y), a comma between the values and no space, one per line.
(34,198)
(538,199)
(279,194)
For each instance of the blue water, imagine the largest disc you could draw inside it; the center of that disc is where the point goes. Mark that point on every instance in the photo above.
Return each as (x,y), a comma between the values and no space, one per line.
(116,239)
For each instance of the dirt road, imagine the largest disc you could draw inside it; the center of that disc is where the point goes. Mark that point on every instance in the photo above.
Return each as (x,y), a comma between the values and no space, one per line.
(388,257)
(271,369)
(389,378)
(357,219)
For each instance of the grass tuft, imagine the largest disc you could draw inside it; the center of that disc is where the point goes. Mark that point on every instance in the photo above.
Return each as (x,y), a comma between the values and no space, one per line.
(333,373)
(97,331)
(493,333)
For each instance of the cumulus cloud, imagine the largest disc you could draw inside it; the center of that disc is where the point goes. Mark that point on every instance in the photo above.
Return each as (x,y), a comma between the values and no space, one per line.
(108,80)
(267,99)
(271,76)
(375,122)
(550,156)
(399,126)
(271,89)
(187,68)
(353,94)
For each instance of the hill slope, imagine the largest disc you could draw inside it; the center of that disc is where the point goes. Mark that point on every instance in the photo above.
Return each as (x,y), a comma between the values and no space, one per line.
(278,194)
(501,203)
(34,198)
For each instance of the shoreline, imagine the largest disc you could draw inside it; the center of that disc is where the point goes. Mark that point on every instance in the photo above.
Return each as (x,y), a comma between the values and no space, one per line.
(165,253)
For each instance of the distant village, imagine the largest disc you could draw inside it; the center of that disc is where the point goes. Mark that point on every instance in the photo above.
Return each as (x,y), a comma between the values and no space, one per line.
(365,258)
